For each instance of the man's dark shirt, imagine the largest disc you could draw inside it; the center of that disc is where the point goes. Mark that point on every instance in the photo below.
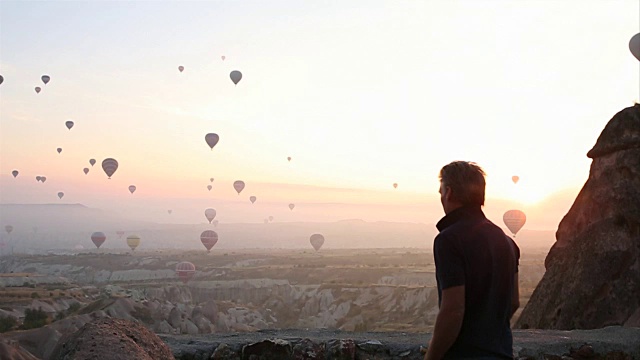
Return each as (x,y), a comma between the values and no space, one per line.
(472,251)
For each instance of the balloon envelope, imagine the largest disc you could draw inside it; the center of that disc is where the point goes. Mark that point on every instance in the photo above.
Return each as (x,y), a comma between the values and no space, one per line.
(69,124)
(38,89)
(181,68)
(1,79)
(209,187)
(85,171)
(132,188)
(59,150)
(210,214)
(211,139)
(515,179)
(109,166)
(395,185)
(38,178)
(253,199)
(209,238)
(211,180)
(289,158)
(60,194)
(46,79)
(15,173)
(223,57)
(514,219)
(43,178)
(291,206)
(316,241)
(185,271)
(238,185)
(133,241)
(235,76)
(92,161)
(98,238)
(634,46)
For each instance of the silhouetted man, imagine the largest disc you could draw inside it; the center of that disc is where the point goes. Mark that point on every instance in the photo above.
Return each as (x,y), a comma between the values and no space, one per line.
(476,271)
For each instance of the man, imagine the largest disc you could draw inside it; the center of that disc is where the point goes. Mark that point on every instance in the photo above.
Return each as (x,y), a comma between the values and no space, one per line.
(476,272)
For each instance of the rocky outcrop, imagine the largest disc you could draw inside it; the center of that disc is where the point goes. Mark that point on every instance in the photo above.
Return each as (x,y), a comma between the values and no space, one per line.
(615,343)
(592,274)
(108,339)
(12,350)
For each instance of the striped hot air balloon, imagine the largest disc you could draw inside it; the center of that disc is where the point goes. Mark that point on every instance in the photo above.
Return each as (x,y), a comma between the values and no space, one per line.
(209,238)
(109,166)
(185,271)
(98,238)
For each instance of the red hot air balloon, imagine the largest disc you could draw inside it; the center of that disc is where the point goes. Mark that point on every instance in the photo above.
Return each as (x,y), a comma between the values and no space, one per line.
(238,185)
(209,238)
(316,241)
(109,166)
(185,271)
(98,238)
(515,220)
(515,179)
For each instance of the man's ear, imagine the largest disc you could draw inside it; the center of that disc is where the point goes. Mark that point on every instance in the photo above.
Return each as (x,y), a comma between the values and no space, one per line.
(447,193)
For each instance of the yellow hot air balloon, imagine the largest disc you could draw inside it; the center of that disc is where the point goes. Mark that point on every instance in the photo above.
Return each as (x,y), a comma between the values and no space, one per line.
(133,241)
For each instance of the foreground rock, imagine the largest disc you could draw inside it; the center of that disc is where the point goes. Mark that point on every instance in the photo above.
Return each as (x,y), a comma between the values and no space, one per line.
(109,338)
(12,350)
(592,274)
(608,343)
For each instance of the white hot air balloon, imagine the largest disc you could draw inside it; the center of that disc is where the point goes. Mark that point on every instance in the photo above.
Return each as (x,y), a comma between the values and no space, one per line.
(515,220)
(210,214)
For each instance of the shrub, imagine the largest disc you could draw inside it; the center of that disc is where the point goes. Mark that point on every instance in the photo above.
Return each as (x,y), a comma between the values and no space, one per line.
(34,319)
(34,295)
(7,323)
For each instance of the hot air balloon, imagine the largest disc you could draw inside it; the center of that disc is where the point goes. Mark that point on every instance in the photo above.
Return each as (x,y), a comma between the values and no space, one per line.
(270,218)
(92,161)
(223,57)
(60,194)
(43,179)
(238,185)
(59,150)
(98,238)
(169,211)
(38,178)
(210,214)
(634,46)
(289,158)
(211,180)
(133,241)
(132,188)
(85,171)
(235,76)
(252,199)
(209,187)
(15,173)
(181,68)
(215,223)
(185,271)
(395,185)
(1,79)
(8,229)
(291,206)
(46,79)
(120,233)
(316,241)
(209,238)
(38,89)
(211,139)
(109,166)
(515,179)
(69,124)
(514,219)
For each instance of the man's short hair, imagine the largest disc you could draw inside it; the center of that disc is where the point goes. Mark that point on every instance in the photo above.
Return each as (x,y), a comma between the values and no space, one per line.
(466,180)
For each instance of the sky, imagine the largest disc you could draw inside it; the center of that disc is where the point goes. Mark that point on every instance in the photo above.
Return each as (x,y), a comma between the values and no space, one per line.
(360,94)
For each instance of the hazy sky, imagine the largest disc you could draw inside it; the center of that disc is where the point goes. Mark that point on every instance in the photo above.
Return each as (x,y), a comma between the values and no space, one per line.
(361,95)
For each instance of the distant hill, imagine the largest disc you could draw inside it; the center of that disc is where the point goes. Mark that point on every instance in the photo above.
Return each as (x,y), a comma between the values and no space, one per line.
(55,226)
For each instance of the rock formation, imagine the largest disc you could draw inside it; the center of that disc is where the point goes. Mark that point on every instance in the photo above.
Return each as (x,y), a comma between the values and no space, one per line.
(109,338)
(592,277)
